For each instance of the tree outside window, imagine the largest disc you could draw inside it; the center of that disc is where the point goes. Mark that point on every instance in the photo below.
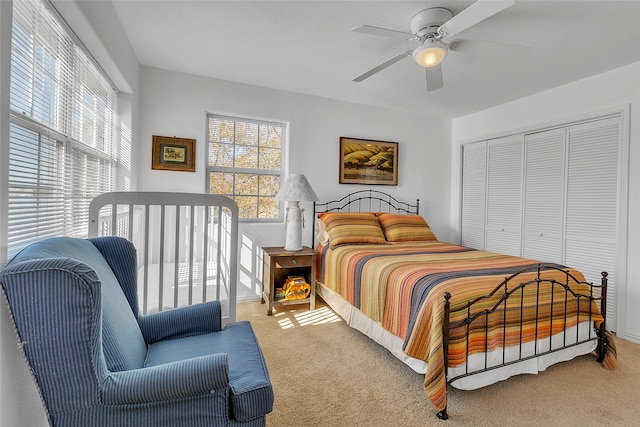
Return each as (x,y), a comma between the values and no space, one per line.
(244,162)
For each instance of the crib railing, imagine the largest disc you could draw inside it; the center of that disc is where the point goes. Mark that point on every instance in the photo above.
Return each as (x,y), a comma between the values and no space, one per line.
(187,245)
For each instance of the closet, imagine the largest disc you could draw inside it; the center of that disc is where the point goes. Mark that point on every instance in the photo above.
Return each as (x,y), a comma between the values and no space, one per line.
(551,195)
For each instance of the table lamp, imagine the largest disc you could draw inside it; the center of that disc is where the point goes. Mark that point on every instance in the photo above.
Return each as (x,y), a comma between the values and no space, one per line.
(296,189)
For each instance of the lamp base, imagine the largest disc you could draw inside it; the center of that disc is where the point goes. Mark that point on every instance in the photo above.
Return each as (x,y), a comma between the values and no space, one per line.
(298,249)
(293,222)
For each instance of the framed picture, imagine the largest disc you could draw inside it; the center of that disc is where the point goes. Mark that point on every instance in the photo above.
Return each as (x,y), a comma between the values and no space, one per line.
(363,161)
(173,154)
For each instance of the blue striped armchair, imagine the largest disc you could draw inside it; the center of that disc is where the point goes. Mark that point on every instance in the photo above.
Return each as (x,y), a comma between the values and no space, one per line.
(97,362)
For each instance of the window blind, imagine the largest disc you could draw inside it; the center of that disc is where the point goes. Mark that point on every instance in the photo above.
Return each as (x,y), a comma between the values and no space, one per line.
(62,141)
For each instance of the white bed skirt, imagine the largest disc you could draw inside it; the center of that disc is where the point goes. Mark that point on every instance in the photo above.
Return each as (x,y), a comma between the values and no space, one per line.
(374,330)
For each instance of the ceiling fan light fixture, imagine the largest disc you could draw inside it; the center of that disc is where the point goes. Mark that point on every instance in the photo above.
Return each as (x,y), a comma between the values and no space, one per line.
(430,53)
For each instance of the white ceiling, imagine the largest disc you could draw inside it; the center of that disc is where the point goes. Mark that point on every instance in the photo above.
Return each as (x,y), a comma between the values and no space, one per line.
(308,47)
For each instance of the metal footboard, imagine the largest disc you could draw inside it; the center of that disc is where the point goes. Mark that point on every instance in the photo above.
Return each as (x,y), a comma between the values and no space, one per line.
(187,245)
(513,288)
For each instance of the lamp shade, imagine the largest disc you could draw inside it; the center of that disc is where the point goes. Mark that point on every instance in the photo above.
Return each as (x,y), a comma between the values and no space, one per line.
(430,53)
(296,188)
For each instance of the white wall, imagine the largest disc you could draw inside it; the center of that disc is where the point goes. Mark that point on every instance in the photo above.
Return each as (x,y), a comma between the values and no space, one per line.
(176,104)
(607,91)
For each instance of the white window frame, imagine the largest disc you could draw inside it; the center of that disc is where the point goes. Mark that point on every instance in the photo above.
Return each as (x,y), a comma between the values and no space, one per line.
(237,170)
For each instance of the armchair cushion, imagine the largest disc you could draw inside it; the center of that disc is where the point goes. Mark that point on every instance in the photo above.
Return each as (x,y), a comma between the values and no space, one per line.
(251,391)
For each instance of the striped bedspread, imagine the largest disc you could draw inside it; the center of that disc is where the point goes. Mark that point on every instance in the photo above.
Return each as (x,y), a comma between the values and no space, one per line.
(402,286)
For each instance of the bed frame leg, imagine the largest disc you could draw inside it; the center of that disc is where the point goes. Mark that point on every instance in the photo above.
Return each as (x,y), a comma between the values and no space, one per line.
(445,348)
(602,331)
(443,414)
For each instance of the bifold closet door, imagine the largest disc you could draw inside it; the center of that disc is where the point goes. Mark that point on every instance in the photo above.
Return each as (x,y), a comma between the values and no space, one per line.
(544,182)
(504,195)
(551,196)
(474,182)
(592,202)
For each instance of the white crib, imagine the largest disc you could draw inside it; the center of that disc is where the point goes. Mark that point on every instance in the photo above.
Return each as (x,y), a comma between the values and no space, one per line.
(187,245)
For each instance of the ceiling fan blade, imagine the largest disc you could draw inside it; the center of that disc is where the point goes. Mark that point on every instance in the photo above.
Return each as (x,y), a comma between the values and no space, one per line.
(434,77)
(382,66)
(479,11)
(489,49)
(384,32)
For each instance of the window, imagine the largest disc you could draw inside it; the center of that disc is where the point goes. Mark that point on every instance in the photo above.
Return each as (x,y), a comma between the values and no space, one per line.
(62,136)
(244,162)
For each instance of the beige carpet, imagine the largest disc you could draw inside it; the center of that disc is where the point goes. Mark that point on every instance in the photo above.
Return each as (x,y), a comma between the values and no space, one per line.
(326,374)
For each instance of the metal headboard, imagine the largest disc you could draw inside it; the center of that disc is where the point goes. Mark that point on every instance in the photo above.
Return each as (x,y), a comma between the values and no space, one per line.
(364,201)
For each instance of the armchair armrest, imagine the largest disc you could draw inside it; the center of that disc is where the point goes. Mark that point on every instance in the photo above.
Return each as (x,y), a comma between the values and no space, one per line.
(182,322)
(176,380)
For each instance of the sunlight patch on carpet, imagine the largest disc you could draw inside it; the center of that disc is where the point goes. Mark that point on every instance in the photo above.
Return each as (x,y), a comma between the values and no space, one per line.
(307,318)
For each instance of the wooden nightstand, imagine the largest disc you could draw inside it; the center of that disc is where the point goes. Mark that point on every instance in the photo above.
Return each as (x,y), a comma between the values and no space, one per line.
(278,264)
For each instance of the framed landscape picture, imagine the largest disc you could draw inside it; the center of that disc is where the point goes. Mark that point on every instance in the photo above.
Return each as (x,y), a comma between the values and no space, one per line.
(174,154)
(364,161)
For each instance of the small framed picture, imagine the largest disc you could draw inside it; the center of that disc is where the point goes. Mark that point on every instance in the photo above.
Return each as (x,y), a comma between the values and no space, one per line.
(363,161)
(173,154)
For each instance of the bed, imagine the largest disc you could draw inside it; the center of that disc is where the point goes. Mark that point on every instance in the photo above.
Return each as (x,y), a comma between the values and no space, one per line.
(485,316)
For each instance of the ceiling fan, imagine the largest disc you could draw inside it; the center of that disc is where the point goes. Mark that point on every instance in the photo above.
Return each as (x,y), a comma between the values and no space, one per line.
(432,28)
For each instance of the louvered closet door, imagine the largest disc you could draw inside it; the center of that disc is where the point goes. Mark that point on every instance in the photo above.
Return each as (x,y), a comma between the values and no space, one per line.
(592,189)
(474,181)
(504,190)
(543,213)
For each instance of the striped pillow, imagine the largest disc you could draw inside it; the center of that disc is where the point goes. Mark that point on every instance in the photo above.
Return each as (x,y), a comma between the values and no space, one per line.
(352,227)
(405,228)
